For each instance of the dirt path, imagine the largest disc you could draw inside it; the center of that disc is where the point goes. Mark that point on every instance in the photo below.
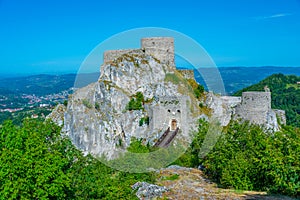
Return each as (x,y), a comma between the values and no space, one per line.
(189,183)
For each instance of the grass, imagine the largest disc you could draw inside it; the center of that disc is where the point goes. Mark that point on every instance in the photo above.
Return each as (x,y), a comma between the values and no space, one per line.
(171,178)
(172,78)
(296,86)
(87,103)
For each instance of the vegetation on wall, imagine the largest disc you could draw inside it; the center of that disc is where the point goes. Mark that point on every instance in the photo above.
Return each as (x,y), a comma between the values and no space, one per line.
(87,103)
(144,120)
(198,89)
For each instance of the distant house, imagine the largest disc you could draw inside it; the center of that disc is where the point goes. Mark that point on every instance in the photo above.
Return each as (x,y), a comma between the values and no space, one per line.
(34,116)
(298,82)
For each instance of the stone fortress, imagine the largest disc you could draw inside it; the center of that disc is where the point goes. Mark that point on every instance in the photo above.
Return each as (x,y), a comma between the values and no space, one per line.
(98,121)
(171,111)
(167,112)
(254,107)
(161,48)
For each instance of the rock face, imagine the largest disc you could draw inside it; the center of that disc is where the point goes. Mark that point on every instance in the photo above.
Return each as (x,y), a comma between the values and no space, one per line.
(57,115)
(98,120)
(223,107)
(148,191)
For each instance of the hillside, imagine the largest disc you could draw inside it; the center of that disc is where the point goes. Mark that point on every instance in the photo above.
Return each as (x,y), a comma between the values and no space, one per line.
(237,78)
(285,94)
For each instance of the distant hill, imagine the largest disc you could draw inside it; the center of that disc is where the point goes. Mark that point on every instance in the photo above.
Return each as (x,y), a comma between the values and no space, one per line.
(44,84)
(234,78)
(237,78)
(285,94)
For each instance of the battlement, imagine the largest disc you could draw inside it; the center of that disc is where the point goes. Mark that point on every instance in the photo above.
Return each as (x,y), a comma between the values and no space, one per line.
(162,48)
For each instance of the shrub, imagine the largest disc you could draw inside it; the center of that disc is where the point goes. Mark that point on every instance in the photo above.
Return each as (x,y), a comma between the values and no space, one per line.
(136,102)
(246,158)
(87,103)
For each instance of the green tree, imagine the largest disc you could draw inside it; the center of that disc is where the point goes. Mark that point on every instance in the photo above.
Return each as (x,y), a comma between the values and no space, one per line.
(38,163)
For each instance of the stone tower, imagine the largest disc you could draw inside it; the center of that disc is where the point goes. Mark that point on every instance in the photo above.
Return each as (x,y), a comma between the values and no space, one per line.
(255,107)
(161,48)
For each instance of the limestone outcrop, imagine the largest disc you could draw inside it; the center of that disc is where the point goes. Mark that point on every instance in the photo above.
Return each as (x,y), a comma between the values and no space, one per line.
(99,121)
(140,94)
(57,115)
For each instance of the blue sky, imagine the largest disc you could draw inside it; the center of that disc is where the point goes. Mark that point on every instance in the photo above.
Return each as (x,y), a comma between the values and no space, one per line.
(55,36)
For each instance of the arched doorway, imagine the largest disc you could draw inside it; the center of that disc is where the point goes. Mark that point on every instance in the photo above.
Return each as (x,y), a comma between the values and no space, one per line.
(173,124)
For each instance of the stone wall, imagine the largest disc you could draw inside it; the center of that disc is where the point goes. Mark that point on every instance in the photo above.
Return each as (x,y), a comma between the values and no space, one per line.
(255,107)
(161,48)
(281,116)
(166,110)
(256,101)
(110,55)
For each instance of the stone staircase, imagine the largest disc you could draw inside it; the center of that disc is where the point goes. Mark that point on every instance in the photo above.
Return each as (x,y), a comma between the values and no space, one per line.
(166,138)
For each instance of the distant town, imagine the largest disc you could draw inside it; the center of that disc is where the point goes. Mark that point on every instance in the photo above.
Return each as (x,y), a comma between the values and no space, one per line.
(20,102)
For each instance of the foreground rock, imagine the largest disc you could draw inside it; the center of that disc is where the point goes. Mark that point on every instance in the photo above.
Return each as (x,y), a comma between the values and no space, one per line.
(190,183)
(57,115)
(148,191)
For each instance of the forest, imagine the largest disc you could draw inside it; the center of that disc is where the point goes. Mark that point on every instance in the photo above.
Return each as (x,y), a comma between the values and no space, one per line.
(38,163)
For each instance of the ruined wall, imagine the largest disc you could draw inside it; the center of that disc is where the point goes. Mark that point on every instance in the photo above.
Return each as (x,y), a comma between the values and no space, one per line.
(167,109)
(187,73)
(112,54)
(281,116)
(161,48)
(255,107)
(256,101)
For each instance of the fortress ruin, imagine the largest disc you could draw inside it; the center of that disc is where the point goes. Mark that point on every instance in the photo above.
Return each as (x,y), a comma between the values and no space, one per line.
(161,48)
(255,107)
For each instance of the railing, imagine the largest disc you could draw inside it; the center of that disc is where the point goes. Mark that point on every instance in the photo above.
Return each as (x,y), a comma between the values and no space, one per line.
(166,138)
(174,133)
(162,137)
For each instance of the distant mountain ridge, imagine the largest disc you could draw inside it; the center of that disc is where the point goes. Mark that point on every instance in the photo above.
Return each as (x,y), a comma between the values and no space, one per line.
(234,78)
(237,78)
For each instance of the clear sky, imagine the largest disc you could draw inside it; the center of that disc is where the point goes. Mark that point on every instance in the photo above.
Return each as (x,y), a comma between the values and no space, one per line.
(43,36)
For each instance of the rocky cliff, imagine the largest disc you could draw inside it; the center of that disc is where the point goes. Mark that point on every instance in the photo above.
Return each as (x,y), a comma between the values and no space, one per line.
(141,94)
(98,118)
